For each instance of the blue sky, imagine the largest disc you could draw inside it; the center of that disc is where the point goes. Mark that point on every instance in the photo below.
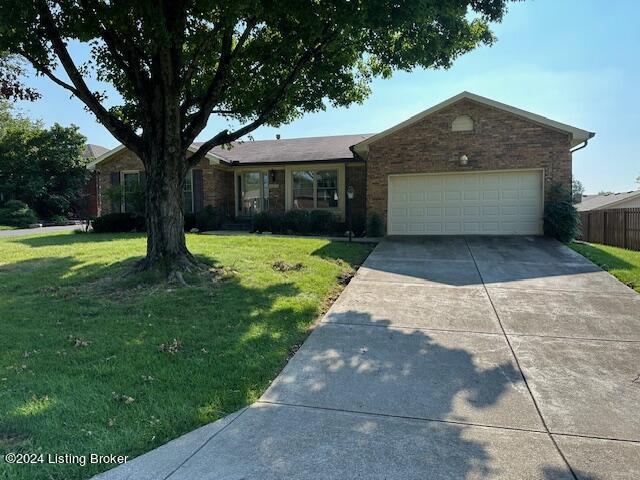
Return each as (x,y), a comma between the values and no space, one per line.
(575,61)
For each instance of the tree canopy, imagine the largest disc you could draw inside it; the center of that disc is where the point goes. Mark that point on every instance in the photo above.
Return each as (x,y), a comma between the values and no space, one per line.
(175,63)
(39,166)
(250,61)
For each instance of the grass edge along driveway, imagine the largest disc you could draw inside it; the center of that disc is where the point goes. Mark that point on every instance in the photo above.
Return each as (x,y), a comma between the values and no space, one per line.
(621,263)
(95,361)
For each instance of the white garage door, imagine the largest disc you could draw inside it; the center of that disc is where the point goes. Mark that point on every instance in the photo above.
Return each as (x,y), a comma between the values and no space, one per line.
(495,203)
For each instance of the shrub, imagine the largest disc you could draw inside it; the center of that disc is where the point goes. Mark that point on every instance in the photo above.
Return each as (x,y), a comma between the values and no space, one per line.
(189,221)
(261,222)
(59,219)
(296,221)
(17,214)
(209,218)
(321,221)
(561,219)
(119,222)
(375,226)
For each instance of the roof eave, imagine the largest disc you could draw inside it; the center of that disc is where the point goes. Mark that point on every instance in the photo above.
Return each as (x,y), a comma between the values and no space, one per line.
(578,135)
(212,157)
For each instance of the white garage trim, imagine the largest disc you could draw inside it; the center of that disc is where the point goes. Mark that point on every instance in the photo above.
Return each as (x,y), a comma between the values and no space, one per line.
(495,202)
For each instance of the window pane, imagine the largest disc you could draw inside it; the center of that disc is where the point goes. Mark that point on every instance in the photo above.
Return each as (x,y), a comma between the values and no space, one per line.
(303,189)
(327,181)
(129,190)
(187,193)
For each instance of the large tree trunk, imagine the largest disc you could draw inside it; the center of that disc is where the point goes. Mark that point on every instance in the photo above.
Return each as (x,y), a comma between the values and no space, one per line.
(166,247)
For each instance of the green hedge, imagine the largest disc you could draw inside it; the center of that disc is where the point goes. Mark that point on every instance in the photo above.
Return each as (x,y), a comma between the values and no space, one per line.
(119,222)
(17,214)
(561,219)
(297,221)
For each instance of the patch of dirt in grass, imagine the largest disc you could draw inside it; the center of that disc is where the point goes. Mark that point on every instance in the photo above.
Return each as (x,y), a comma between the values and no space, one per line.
(10,441)
(287,267)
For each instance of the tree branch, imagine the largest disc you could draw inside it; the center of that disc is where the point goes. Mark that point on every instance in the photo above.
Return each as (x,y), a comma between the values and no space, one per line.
(227,137)
(123,132)
(43,69)
(123,53)
(216,87)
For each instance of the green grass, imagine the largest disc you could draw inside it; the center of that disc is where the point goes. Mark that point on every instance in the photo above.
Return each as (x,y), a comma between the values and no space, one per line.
(78,336)
(621,263)
(7,227)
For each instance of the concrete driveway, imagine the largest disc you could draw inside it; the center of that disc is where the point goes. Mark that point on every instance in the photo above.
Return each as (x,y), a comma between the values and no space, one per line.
(445,358)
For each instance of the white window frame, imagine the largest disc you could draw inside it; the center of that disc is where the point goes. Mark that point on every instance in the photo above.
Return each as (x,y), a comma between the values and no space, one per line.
(339,167)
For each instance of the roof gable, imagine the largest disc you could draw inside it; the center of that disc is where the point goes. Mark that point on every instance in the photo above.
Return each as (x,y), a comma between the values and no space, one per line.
(578,135)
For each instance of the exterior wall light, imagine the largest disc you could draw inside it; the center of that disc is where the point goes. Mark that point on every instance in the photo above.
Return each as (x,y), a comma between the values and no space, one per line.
(464,160)
(350,192)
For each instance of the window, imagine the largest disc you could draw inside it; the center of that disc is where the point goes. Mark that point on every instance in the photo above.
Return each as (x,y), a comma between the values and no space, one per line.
(303,189)
(462,123)
(130,191)
(315,189)
(187,193)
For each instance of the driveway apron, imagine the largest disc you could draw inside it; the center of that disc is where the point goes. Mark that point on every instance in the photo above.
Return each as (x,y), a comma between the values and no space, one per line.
(444,358)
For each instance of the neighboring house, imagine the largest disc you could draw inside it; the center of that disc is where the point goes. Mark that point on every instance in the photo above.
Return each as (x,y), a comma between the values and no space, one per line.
(469,165)
(91,193)
(91,151)
(609,200)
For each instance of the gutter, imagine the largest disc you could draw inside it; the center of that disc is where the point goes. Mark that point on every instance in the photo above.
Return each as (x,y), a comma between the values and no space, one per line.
(584,144)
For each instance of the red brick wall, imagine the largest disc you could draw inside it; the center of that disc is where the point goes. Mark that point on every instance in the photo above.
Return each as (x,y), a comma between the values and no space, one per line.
(500,141)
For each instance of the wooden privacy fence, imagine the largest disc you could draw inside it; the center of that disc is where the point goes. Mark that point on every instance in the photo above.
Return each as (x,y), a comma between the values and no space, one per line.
(616,227)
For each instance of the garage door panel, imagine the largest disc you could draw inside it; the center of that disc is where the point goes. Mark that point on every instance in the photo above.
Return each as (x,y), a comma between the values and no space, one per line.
(469,203)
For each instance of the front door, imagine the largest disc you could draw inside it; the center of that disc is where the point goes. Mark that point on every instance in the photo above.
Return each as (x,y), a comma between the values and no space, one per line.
(251,193)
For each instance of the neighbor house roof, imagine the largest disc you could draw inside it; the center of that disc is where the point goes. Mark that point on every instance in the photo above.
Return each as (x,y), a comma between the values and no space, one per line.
(598,202)
(578,135)
(93,151)
(309,149)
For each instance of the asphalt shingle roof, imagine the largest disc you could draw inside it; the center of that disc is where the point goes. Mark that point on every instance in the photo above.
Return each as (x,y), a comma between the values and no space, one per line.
(93,151)
(290,150)
(593,202)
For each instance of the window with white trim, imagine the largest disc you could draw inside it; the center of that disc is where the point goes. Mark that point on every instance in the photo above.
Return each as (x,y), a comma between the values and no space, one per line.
(315,189)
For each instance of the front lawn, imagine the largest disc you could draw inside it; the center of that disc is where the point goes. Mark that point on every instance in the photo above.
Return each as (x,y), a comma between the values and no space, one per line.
(621,263)
(94,361)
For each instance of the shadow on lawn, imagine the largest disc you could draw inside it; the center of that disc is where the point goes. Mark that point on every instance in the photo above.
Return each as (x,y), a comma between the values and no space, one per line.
(72,239)
(601,257)
(234,340)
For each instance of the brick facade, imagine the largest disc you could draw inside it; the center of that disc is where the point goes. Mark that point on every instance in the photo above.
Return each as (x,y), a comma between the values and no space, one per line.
(217,183)
(499,141)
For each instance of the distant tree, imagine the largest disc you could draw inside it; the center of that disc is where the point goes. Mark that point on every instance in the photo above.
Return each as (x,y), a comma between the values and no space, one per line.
(11,88)
(602,192)
(638,181)
(42,167)
(175,63)
(576,187)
